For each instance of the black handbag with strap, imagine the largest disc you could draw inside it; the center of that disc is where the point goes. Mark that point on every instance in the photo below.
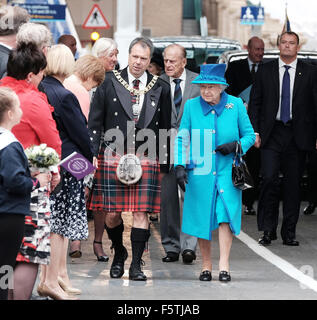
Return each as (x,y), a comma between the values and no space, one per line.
(241,177)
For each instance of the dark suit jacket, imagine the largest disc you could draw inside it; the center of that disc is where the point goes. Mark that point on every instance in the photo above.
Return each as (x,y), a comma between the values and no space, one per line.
(4,56)
(191,91)
(264,103)
(70,120)
(238,77)
(111,108)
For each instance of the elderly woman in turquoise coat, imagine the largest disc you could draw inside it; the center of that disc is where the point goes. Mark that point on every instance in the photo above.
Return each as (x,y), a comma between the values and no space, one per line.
(211,127)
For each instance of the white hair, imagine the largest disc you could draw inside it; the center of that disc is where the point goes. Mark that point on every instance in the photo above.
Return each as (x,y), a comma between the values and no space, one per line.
(36,33)
(223,87)
(103,47)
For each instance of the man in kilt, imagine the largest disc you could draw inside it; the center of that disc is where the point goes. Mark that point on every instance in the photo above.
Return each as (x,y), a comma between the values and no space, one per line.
(127,112)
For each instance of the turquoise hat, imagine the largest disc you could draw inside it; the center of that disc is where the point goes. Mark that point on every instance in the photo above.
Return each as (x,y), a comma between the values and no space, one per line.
(212,73)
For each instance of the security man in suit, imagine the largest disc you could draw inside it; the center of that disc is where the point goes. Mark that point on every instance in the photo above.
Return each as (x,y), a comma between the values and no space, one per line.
(240,75)
(173,240)
(11,19)
(283,112)
(123,106)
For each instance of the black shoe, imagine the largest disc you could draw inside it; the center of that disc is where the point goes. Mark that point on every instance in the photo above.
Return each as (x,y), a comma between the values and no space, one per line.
(171,257)
(117,266)
(154,217)
(310,208)
(188,256)
(291,242)
(265,240)
(249,211)
(205,276)
(136,274)
(224,276)
(271,234)
(104,258)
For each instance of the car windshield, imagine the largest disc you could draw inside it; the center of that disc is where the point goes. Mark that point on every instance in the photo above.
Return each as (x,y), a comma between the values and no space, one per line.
(198,50)
(230,56)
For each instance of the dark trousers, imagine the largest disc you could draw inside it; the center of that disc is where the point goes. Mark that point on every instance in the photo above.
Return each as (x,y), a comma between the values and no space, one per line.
(11,235)
(280,154)
(312,177)
(253,161)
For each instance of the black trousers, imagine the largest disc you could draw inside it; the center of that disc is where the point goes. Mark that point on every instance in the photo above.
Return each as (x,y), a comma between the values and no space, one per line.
(253,161)
(280,154)
(312,177)
(11,235)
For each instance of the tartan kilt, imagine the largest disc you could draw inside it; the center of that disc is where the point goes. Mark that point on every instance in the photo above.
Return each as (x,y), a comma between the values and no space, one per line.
(108,194)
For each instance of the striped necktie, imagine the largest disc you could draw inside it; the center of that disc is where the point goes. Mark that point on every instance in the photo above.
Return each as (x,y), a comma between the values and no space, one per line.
(177,94)
(135,107)
(136,83)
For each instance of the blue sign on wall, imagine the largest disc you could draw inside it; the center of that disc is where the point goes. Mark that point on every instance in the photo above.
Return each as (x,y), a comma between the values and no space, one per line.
(252,15)
(44,12)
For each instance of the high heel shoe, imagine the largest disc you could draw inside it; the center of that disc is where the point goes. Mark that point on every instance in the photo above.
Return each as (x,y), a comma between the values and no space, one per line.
(47,292)
(103,258)
(67,289)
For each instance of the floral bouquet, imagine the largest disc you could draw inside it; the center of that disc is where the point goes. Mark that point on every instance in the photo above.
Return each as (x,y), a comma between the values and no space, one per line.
(42,158)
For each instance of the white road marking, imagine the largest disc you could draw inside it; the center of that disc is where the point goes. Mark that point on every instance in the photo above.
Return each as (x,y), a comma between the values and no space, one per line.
(280,263)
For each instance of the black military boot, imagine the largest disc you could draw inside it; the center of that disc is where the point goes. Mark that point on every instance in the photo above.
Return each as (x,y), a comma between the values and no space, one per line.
(139,237)
(120,252)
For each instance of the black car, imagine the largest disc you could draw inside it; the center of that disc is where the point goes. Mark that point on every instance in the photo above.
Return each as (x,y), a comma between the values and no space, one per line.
(229,56)
(199,50)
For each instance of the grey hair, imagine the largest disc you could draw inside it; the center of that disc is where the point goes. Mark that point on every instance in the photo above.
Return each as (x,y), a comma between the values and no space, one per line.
(103,47)
(144,42)
(223,87)
(36,33)
(11,18)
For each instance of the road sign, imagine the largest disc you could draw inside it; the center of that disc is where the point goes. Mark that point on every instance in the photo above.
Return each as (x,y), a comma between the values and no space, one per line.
(96,19)
(43,12)
(252,15)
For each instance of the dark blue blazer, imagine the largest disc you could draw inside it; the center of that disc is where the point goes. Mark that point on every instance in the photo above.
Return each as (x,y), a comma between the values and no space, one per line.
(16,183)
(70,120)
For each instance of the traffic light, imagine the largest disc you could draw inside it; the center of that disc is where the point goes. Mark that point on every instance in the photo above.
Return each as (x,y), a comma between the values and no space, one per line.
(94,36)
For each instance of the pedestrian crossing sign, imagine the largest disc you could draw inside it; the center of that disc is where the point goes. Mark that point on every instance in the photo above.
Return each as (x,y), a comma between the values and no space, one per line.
(96,19)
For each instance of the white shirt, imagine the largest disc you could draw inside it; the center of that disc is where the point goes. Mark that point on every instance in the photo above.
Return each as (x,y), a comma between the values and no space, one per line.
(251,63)
(292,72)
(142,84)
(182,83)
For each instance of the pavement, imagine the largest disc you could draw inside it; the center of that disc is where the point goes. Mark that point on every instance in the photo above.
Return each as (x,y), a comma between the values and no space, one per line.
(277,272)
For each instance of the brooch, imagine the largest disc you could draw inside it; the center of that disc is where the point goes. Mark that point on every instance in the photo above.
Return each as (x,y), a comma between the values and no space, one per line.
(229,105)
(153,104)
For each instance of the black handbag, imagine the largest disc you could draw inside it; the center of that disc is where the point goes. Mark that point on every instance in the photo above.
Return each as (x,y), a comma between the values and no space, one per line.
(241,177)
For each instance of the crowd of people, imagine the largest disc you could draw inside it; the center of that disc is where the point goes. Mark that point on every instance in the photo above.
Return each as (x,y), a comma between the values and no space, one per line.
(115,119)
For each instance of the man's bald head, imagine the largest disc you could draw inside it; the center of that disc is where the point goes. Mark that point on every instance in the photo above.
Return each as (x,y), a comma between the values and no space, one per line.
(255,49)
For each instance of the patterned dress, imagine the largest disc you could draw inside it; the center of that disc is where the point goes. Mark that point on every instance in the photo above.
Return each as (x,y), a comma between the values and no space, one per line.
(35,247)
(69,215)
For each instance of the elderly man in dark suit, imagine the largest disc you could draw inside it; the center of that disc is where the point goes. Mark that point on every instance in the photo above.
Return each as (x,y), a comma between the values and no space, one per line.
(11,19)
(240,75)
(283,112)
(173,240)
(129,109)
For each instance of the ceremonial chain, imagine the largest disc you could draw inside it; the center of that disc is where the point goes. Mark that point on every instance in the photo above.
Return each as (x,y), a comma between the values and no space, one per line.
(133,91)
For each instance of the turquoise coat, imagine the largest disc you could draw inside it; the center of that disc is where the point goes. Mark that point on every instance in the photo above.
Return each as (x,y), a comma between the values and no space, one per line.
(210,196)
